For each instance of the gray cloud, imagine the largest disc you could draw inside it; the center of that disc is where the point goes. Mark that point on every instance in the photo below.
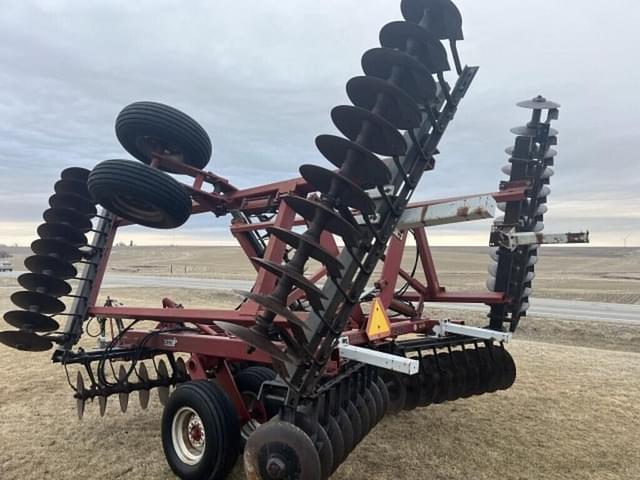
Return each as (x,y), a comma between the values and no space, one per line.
(262,76)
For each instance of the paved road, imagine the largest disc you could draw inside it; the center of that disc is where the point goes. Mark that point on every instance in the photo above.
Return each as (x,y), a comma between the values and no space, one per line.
(545,307)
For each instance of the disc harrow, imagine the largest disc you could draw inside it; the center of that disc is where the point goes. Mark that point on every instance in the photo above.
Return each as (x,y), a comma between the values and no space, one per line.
(333,336)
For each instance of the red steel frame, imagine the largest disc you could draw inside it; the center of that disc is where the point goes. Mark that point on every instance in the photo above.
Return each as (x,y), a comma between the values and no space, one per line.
(211,348)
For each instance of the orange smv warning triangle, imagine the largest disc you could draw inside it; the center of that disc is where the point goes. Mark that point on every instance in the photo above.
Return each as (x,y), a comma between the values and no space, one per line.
(378,325)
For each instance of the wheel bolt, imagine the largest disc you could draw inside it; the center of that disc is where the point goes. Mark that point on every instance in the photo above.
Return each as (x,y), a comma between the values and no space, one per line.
(276,468)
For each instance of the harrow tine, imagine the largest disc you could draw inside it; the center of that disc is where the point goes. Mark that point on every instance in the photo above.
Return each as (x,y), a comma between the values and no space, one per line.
(102,403)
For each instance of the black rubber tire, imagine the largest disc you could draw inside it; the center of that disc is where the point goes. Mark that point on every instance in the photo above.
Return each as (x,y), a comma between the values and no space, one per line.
(250,379)
(174,129)
(221,426)
(140,194)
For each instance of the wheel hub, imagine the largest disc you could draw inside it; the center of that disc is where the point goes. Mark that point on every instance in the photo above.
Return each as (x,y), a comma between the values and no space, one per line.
(188,436)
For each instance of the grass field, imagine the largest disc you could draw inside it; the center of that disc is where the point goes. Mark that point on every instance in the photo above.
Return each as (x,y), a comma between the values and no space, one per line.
(572,414)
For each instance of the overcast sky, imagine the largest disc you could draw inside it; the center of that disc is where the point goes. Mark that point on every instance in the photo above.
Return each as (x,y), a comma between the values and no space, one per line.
(261,77)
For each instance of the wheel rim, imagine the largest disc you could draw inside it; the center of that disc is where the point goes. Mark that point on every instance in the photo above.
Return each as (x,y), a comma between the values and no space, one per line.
(150,145)
(188,436)
(135,208)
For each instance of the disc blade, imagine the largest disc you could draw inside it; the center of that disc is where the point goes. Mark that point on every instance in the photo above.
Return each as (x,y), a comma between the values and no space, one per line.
(416,79)
(368,170)
(62,231)
(163,374)
(123,397)
(525,131)
(58,248)
(426,47)
(369,130)
(50,266)
(538,103)
(25,341)
(313,293)
(143,395)
(399,108)
(80,402)
(69,217)
(181,369)
(272,305)
(443,17)
(74,202)
(43,302)
(72,187)
(308,209)
(339,187)
(77,174)
(254,339)
(45,284)
(25,320)
(294,239)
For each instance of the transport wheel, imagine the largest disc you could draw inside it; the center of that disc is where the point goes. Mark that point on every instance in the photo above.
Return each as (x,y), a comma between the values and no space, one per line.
(346,428)
(140,194)
(145,128)
(200,431)
(249,381)
(397,390)
(281,450)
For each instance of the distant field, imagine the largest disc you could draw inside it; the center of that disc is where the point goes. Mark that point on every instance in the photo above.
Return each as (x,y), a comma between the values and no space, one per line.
(593,273)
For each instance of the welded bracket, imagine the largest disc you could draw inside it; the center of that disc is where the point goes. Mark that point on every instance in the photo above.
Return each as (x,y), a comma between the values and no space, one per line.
(446,326)
(384,360)
(512,239)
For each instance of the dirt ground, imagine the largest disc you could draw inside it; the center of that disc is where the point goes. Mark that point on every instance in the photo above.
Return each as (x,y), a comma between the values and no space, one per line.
(572,414)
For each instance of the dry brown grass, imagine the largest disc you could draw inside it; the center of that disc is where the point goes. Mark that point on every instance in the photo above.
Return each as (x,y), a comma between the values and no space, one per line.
(572,414)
